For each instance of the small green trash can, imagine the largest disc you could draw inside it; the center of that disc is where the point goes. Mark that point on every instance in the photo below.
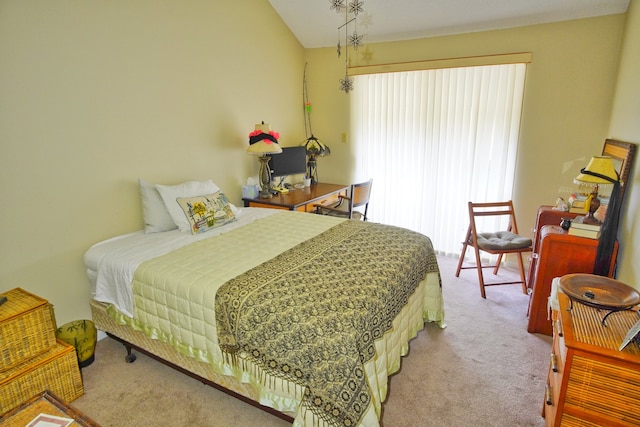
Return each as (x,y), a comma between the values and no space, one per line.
(81,334)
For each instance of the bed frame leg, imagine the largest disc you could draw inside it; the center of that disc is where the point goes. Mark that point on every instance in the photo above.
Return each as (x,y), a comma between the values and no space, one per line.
(130,357)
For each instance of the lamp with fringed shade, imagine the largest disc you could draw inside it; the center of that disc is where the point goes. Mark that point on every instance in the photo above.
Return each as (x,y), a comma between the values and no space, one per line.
(315,148)
(262,142)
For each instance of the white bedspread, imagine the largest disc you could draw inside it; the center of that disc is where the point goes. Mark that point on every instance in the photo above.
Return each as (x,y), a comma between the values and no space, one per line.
(114,261)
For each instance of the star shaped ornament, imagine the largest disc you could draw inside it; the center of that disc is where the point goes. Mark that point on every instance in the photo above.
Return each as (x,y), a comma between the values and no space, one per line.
(337,5)
(355,40)
(346,84)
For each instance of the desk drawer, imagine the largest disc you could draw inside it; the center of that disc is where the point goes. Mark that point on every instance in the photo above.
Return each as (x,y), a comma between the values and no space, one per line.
(266,205)
(330,199)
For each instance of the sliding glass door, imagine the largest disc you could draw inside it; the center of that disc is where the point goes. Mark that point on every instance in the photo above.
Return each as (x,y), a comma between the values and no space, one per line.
(433,140)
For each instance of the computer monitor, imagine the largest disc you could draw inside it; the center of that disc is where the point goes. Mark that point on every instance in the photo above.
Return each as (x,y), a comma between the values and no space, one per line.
(292,161)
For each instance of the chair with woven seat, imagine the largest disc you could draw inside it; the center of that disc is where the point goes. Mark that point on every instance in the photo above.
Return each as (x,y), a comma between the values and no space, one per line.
(498,243)
(353,206)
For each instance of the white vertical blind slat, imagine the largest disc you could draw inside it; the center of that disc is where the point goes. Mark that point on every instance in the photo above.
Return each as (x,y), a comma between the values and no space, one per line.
(433,140)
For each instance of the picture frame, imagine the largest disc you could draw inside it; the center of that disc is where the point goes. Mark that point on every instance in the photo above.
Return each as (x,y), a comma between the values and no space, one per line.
(622,154)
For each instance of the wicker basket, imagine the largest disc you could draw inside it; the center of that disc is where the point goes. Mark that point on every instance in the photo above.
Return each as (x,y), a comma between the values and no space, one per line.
(56,370)
(27,328)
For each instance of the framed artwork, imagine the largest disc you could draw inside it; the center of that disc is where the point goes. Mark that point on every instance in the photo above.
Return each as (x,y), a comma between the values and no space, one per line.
(622,155)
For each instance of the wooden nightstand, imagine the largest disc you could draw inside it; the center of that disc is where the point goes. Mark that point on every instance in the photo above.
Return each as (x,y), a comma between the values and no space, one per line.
(591,382)
(301,199)
(546,215)
(559,254)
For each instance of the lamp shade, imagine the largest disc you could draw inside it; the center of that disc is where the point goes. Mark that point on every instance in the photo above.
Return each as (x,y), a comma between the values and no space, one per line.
(263,141)
(600,170)
(264,147)
(315,147)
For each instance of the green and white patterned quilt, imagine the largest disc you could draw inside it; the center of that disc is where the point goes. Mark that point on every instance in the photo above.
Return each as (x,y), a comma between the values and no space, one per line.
(313,314)
(329,310)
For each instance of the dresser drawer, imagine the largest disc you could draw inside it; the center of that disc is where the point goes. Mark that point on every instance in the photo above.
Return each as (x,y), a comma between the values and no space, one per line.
(601,389)
(550,406)
(571,421)
(556,365)
(590,381)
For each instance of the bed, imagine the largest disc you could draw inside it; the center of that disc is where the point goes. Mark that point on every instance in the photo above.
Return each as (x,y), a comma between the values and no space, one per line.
(304,315)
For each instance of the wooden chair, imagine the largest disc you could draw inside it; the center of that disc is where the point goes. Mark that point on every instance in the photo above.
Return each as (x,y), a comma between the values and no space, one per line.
(496,243)
(346,207)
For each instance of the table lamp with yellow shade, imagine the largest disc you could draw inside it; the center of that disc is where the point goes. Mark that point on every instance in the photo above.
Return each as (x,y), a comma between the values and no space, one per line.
(600,171)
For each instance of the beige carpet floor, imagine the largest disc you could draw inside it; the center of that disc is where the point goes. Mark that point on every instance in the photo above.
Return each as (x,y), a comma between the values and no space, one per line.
(483,369)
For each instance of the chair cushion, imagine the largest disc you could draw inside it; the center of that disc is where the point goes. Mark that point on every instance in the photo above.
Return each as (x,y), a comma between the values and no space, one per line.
(502,240)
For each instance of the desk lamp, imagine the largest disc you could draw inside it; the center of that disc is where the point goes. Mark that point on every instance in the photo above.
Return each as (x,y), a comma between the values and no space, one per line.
(599,171)
(262,142)
(315,148)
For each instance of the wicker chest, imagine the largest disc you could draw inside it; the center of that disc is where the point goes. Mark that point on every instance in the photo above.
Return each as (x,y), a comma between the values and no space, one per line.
(27,328)
(31,359)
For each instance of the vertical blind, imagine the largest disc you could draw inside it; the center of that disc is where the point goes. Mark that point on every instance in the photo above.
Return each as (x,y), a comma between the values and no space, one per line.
(434,140)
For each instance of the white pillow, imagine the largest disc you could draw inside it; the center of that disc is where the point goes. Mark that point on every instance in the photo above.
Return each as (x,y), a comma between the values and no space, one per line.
(170,194)
(155,214)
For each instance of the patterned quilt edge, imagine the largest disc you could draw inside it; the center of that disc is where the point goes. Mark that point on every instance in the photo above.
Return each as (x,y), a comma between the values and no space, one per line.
(285,396)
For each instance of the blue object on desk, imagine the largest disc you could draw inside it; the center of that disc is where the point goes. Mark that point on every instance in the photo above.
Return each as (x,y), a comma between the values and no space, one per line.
(250,191)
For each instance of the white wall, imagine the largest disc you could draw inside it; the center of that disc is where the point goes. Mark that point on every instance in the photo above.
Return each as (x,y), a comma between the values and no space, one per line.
(569,92)
(567,101)
(95,94)
(625,126)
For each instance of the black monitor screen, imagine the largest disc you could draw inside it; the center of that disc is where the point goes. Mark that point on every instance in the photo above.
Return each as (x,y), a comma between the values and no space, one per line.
(292,161)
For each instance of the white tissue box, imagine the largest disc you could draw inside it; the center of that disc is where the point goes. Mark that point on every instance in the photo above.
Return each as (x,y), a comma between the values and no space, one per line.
(250,191)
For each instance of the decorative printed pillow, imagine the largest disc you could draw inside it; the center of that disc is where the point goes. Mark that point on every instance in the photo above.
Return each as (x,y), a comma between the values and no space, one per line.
(171,193)
(207,212)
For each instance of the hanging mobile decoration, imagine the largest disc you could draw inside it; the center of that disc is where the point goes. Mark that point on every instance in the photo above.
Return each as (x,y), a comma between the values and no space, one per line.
(346,84)
(354,40)
(314,147)
(337,5)
(355,7)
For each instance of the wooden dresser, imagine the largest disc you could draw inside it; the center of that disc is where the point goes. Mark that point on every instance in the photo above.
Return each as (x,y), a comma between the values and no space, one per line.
(556,253)
(546,215)
(591,382)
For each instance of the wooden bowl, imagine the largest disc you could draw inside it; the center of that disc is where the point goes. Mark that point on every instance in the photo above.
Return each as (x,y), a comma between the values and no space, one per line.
(599,291)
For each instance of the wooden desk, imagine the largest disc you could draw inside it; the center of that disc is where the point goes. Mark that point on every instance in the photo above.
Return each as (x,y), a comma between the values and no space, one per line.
(301,199)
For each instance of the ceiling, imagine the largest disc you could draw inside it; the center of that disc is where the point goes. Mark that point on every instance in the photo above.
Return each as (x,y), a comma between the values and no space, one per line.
(315,24)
